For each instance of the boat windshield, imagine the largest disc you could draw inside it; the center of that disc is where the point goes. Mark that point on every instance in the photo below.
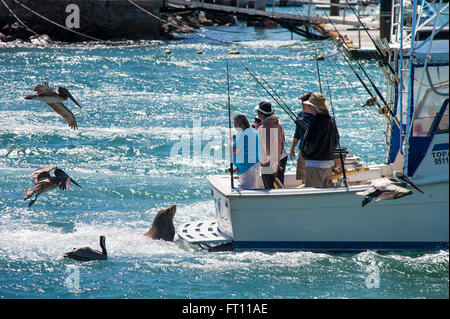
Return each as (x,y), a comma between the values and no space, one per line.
(428,109)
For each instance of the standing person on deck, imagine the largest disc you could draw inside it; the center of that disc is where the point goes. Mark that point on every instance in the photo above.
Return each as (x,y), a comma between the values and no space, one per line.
(303,120)
(256,123)
(273,156)
(319,143)
(246,153)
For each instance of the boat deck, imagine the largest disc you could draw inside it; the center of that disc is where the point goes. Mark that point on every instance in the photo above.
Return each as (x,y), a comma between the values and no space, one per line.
(357,181)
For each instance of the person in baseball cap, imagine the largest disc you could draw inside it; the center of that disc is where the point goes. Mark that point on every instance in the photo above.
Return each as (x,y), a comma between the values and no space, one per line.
(265,108)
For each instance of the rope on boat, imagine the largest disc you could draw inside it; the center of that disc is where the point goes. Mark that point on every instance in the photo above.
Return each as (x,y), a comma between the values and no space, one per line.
(57,24)
(177,27)
(17,18)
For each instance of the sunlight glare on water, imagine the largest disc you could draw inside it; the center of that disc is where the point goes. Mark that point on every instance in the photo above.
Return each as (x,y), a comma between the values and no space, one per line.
(137,104)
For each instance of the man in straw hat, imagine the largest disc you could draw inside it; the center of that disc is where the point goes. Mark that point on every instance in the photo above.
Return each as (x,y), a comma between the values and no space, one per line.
(319,143)
(273,156)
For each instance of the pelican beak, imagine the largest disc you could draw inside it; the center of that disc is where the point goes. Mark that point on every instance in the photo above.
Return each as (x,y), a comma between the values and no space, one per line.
(73,100)
(75,183)
(410,182)
(406,179)
(64,91)
(30,97)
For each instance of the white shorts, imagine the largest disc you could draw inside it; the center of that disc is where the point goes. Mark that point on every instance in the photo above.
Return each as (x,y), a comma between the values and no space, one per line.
(250,178)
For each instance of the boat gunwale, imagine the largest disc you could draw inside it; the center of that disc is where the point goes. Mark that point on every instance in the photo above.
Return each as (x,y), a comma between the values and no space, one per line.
(241,193)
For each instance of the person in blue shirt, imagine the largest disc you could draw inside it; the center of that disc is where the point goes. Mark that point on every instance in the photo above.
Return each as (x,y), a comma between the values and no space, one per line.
(303,120)
(246,153)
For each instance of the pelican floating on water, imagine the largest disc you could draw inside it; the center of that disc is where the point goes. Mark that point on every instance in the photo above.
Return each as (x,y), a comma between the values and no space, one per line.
(87,253)
(45,182)
(45,93)
(388,188)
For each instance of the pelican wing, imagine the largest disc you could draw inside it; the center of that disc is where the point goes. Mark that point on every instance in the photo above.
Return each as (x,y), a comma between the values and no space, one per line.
(382,182)
(396,188)
(35,175)
(43,89)
(44,185)
(393,191)
(392,195)
(377,184)
(63,182)
(385,188)
(62,110)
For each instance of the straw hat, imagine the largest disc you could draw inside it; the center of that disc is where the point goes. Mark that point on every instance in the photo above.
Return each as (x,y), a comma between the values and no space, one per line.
(317,100)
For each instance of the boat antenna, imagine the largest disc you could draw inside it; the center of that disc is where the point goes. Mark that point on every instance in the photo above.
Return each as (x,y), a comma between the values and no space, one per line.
(229,127)
(285,108)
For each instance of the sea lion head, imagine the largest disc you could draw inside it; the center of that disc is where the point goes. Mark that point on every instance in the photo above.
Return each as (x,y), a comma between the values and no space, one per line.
(163,227)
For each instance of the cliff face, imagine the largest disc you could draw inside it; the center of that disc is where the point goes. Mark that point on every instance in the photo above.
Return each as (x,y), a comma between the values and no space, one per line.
(103,19)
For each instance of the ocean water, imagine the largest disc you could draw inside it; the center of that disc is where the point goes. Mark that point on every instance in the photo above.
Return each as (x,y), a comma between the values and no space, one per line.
(138,105)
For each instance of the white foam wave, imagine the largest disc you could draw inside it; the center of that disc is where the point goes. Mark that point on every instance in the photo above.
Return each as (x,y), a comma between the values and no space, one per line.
(42,244)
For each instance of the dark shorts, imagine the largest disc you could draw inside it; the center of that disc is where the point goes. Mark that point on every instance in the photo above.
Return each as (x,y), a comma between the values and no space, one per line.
(318,177)
(268,179)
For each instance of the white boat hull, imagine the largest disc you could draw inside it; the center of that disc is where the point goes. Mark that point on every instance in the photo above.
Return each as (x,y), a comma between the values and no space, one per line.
(333,219)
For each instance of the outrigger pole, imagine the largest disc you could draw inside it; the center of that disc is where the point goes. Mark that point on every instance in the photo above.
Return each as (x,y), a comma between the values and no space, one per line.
(317,67)
(344,174)
(373,99)
(379,51)
(229,128)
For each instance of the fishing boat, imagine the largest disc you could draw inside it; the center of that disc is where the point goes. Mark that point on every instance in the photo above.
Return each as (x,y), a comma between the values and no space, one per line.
(417,138)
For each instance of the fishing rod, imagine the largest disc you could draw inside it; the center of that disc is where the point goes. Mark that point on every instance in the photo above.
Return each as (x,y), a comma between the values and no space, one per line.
(338,68)
(373,99)
(318,71)
(279,97)
(273,90)
(344,174)
(291,114)
(336,65)
(359,64)
(229,127)
(379,51)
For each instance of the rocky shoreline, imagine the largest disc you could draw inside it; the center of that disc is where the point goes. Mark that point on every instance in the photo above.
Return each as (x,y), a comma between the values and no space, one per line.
(174,22)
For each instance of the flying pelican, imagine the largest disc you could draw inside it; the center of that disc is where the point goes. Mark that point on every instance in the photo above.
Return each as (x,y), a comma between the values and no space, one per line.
(44,182)
(45,93)
(87,253)
(388,188)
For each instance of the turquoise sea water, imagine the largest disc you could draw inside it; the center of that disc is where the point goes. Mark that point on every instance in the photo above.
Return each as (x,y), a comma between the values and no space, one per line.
(138,103)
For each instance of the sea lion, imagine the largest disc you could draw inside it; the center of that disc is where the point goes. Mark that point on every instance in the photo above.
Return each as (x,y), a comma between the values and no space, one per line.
(163,227)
